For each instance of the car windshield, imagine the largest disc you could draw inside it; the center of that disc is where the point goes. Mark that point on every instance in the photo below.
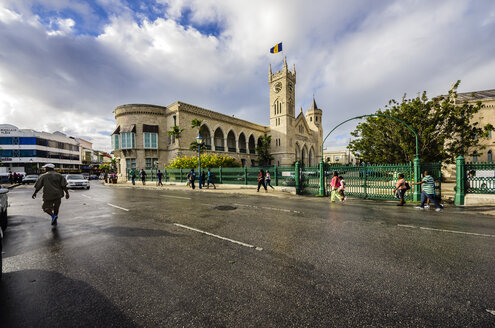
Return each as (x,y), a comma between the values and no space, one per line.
(75,177)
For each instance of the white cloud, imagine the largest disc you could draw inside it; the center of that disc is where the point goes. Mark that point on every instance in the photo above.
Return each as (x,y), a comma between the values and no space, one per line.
(354,57)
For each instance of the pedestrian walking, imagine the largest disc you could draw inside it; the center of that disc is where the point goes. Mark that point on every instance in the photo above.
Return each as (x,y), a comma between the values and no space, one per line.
(261,180)
(428,191)
(203,180)
(335,184)
(400,189)
(143,176)
(210,180)
(160,176)
(268,179)
(54,185)
(342,188)
(11,177)
(133,176)
(191,177)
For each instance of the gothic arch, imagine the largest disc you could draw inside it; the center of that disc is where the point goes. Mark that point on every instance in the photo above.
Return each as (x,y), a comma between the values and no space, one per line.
(205,133)
(304,155)
(231,142)
(242,142)
(311,157)
(219,139)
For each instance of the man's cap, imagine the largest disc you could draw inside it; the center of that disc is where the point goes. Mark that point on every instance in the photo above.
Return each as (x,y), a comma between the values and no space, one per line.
(50,166)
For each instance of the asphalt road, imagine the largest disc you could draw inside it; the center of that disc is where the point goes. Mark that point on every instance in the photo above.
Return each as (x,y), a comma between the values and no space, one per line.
(123,257)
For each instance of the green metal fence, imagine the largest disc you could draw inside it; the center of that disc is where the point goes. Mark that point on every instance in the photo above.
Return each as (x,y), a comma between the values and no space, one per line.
(309,180)
(480,178)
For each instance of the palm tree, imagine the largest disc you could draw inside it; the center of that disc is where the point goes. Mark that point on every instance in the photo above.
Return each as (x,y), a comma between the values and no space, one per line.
(175,131)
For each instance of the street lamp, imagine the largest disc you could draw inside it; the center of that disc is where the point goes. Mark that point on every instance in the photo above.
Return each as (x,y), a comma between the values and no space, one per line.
(199,141)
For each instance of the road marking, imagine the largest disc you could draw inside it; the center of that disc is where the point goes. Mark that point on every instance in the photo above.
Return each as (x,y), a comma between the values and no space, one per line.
(270,208)
(490,311)
(177,197)
(219,237)
(124,209)
(86,196)
(444,230)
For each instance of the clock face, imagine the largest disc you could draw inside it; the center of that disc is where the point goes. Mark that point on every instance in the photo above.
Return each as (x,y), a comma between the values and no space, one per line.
(277,87)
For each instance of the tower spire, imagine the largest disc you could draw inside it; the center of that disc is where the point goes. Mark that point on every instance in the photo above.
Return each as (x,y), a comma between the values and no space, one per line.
(285,64)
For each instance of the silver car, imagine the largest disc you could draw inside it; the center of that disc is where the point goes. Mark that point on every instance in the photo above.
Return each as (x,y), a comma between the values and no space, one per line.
(77,181)
(4,203)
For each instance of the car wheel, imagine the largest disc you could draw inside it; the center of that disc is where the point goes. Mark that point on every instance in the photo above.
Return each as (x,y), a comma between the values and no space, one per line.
(3,220)
(87,188)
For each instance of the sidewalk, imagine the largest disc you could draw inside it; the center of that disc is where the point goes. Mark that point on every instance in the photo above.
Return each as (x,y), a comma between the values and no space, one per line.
(281,192)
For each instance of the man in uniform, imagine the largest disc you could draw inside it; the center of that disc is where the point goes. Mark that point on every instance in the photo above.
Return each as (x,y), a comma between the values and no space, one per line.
(54,185)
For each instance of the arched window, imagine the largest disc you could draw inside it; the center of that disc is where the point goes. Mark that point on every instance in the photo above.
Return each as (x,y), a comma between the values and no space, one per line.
(231,142)
(252,145)
(242,143)
(204,132)
(219,145)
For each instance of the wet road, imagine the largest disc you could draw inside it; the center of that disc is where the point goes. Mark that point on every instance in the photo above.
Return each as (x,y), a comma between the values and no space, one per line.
(122,257)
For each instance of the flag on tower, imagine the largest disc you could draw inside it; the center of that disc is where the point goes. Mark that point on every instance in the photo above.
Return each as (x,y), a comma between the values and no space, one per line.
(276,49)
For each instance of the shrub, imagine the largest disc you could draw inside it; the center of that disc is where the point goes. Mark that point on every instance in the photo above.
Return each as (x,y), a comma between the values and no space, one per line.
(207,160)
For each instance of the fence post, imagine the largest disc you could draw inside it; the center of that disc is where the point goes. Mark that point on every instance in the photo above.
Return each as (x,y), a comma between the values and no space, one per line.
(220,173)
(322,179)
(180,174)
(245,175)
(296,178)
(365,180)
(417,177)
(276,175)
(165,175)
(460,180)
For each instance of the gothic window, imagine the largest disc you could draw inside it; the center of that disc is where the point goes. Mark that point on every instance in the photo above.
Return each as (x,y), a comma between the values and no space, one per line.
(490,156)
(311,119)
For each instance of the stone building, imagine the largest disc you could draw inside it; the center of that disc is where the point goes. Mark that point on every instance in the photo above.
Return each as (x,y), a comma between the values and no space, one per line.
(140,139)
(485,116)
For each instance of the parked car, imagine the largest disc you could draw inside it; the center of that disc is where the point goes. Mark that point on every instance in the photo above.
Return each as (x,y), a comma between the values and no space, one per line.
(77,181)
(4,203)
(93,177)
(85,175)
(30,178)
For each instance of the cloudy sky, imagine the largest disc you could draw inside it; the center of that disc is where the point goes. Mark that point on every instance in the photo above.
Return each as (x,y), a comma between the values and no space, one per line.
(66,64)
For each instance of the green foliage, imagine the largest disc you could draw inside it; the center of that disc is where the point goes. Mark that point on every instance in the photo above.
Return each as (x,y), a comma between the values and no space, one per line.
(194,146)
(195,123)
(104,167)
(175,131)
(263,150)
(445,130)
(207,160)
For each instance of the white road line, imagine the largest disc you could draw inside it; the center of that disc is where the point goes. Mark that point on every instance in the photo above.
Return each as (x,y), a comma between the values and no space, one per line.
(219,237)
(177,197)
(490,311)
(444,230)
(125,209)
(270,208)
(86,196)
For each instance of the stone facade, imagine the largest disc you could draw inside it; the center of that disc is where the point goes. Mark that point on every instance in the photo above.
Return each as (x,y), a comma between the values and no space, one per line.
(293,138)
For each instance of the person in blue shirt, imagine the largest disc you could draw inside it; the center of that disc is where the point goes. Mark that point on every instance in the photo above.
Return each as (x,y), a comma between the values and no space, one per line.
(159,175)
(210,180)
(191,177)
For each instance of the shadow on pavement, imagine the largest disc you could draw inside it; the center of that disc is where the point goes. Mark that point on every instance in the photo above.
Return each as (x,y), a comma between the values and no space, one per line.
(36,298)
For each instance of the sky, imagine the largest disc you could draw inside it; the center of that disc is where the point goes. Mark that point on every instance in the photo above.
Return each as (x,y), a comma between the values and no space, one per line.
(66,64)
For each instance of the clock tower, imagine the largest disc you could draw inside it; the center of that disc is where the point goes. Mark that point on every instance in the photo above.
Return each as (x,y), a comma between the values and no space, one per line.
(282,114)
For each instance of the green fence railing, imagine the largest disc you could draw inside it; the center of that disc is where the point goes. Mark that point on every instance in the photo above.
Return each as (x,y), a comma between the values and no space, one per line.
(480,178)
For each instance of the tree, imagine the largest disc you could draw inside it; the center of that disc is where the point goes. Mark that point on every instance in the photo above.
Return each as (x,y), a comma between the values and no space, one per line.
(194,146)
(207,160)
(175,131)
(263,150)
(195,123)
(445,130)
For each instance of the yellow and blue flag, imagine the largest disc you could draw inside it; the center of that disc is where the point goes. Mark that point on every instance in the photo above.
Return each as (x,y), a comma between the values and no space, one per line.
(276,49)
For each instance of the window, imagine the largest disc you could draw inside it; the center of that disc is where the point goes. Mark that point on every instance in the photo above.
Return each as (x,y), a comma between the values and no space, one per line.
(5,141)
(5,153)
(490,156)
(151,163)
(489,134)
(115,141)
(475,158)
(336,158)
(150,140)
(128,140)
(130,163)
(311,119)
(316,118)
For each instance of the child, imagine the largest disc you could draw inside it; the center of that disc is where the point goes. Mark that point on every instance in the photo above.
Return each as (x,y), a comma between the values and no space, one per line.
(342,188)
(335,184)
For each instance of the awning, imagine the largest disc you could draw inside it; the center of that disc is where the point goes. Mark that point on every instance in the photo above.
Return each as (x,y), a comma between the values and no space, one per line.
(130,128)
(150,128)
(117,130)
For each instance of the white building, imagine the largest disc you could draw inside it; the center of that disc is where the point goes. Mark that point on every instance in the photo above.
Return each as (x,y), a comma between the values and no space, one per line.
(338,155)
(29,149)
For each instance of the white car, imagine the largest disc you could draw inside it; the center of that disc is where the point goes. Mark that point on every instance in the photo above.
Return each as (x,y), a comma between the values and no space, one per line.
(76,181)
(4,203)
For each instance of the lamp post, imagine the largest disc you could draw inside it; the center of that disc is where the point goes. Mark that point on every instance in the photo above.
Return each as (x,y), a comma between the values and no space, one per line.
(199,141)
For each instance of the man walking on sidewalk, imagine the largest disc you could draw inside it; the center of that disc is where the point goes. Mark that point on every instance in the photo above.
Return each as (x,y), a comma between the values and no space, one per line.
(54,185)
(428,192)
